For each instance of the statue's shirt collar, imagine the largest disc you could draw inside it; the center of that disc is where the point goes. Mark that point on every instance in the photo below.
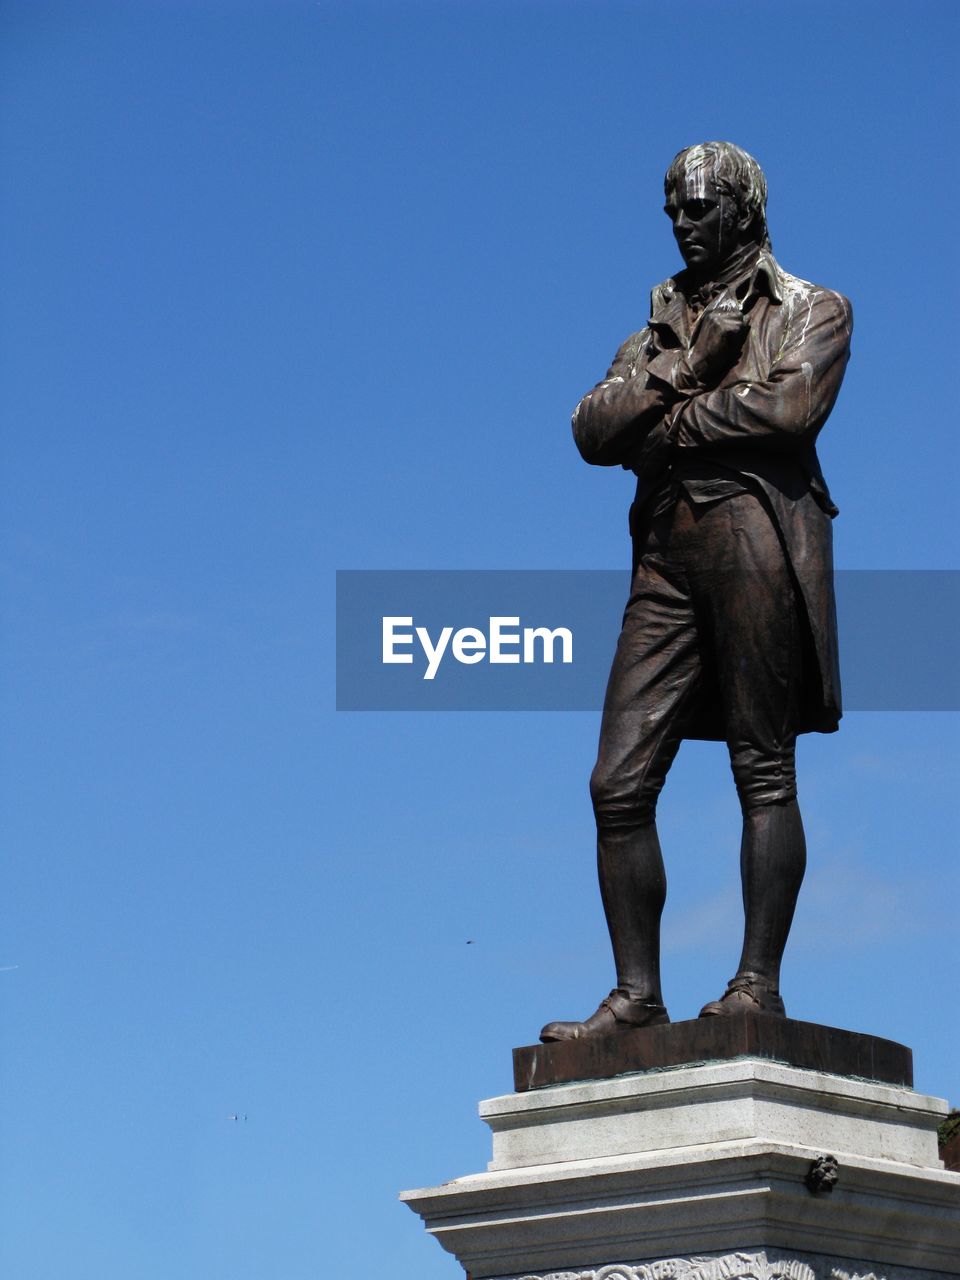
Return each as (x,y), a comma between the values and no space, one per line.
(675,303)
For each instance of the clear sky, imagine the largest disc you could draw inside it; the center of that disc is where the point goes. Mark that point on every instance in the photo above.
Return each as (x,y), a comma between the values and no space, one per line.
(293,286)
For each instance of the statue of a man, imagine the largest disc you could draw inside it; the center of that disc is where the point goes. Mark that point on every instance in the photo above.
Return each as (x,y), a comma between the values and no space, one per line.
(730,629)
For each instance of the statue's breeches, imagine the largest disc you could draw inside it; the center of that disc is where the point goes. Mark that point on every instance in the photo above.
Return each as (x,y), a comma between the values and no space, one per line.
(713,615)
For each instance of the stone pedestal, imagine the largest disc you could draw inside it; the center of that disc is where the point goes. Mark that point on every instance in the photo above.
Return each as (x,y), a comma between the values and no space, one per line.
(703,1172)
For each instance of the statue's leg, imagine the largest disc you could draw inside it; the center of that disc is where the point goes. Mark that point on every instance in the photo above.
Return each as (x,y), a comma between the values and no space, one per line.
(757,633)
(773,858)
(653,682)
(633,886)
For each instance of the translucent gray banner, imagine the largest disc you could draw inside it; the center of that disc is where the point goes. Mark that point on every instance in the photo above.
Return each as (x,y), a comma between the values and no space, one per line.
(543,640)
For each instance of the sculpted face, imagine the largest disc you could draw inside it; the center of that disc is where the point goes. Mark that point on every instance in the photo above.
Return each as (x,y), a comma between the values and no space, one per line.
(706,220)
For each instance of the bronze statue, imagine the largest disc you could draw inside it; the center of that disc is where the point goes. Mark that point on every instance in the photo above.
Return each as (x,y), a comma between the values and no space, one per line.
(730,629)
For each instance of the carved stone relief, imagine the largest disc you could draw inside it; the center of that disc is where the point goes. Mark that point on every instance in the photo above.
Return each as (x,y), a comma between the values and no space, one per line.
(732,1266)
(837,1273)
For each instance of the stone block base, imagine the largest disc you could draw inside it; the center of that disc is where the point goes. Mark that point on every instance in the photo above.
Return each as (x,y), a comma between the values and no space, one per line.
(704,1173)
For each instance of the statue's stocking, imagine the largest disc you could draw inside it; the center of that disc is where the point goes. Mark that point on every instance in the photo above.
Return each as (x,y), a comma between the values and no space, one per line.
(773,857)
(633,887)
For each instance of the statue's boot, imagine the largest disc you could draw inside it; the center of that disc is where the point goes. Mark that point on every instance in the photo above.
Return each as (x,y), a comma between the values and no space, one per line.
(619,1011)
(745,994)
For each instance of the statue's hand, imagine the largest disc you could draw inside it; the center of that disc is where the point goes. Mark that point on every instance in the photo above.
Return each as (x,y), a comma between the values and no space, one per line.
(719,341)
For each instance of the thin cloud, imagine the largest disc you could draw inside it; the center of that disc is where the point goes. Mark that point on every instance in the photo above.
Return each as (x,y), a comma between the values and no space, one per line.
(852,903)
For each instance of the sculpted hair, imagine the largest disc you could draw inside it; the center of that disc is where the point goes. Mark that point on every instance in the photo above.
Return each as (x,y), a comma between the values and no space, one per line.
(733,171)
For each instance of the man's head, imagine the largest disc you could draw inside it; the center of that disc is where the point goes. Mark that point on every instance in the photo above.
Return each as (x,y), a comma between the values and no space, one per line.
(716,198)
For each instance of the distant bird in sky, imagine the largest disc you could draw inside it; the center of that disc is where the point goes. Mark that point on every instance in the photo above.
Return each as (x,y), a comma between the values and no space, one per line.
(470,941)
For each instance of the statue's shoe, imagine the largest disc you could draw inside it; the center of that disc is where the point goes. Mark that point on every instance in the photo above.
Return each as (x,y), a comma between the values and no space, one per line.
(745,994)
(619,1011)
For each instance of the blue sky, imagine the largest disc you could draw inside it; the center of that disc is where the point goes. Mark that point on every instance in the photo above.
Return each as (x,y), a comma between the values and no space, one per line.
(294,286)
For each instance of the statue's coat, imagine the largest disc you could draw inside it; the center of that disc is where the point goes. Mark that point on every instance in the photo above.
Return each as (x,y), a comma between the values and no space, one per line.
(759,424)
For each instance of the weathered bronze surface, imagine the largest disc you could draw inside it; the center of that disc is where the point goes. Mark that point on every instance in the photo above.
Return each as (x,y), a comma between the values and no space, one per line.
(798,1044)
(730,628)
